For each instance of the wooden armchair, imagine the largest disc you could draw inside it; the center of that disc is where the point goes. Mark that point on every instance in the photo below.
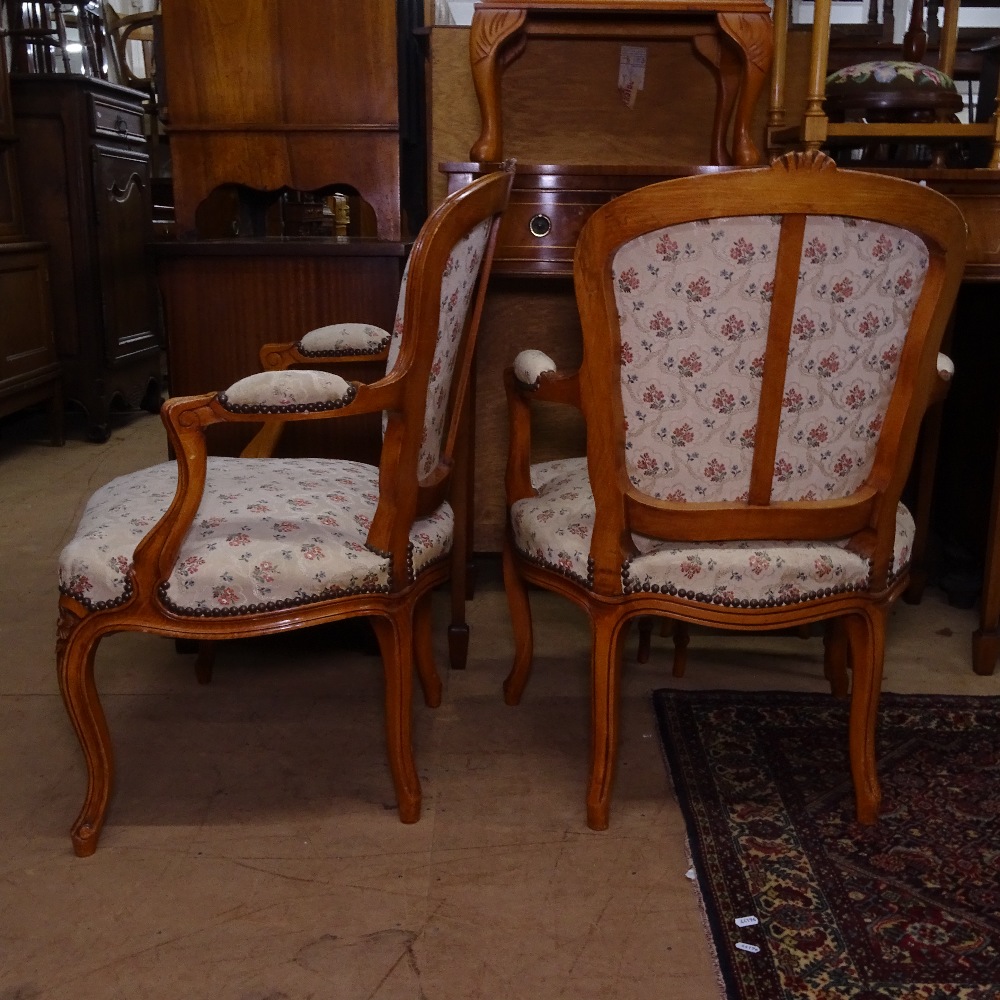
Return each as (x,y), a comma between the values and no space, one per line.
(218,548)
(759,349)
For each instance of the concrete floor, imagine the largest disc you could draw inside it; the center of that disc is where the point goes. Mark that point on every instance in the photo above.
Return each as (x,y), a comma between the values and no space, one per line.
(252,849)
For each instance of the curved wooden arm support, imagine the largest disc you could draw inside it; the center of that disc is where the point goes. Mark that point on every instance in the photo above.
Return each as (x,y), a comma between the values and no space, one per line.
(185,419)
(278,357)
(551,387)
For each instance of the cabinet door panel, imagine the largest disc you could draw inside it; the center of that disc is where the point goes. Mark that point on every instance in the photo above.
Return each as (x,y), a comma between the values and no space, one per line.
(123,211)
(27,348)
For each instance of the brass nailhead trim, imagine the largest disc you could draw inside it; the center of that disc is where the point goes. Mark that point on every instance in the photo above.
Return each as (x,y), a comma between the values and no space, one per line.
(344,352)
(318,407)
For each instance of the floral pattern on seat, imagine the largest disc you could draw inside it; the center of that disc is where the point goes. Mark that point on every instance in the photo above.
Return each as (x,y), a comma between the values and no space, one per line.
(694,309)
(554,528)
(268,533)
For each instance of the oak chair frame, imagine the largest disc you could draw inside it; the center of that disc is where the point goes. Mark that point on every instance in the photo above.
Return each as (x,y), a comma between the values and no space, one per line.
(794,186)
(401,615)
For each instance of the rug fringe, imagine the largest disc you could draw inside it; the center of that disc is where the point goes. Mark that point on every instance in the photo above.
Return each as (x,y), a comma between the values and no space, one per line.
(706,926)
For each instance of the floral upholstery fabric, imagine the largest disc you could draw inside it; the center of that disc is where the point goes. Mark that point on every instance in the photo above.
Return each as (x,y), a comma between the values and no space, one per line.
(694,308)
(344,338)
(529,366)
(554,529)
(288,390)
(457,285)
(268,533)
(890,73)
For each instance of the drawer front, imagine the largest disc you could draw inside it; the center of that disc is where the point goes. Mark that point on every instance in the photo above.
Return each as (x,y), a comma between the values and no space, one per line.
(110,119)
(539,230)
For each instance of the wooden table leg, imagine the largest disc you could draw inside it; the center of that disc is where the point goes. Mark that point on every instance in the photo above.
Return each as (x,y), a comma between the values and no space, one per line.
(725,66)
(754,35)
(489,53)
(986,639)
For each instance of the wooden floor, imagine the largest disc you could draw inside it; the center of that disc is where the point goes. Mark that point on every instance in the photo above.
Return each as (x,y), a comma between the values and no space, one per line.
(252,849)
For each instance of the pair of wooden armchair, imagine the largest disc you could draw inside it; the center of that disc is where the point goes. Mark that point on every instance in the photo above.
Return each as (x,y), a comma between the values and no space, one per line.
(759,349)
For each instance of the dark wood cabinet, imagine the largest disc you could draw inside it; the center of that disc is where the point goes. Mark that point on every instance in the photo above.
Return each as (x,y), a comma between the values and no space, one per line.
(85,177)
(29,369)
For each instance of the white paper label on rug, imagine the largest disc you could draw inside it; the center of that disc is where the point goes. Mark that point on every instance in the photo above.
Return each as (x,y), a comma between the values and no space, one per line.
(746,921)
(743,946)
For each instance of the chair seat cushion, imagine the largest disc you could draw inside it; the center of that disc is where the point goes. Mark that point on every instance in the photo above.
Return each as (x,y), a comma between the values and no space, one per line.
(554,529)
(892,85)
(269,533)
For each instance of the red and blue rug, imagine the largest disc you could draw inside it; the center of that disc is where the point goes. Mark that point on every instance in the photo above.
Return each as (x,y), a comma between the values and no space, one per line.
(906,909)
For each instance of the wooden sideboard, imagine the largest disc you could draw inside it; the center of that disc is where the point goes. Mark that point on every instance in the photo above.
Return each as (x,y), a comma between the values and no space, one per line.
(29,368)
(85,177)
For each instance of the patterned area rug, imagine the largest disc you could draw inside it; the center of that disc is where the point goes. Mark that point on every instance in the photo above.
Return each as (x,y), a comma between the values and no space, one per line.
(907,909)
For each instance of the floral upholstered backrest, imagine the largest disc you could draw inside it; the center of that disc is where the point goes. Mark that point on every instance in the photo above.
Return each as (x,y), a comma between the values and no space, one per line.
(457,285)
(694,302)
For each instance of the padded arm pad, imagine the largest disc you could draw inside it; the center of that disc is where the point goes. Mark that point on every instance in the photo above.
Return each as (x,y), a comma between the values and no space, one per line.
(296,391)
(529,366)
(344,338)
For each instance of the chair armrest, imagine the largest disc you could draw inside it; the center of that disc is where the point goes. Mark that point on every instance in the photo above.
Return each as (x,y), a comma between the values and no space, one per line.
(533,377)
(283,392)
(273,398)
(291,391)
(945,373)
(536,374)
(343,342)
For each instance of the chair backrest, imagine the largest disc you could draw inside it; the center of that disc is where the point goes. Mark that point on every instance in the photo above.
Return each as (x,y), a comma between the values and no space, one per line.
(759,348)
(438,292)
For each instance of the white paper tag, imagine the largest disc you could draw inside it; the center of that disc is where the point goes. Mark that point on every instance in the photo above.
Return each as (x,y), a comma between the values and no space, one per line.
(746,921)
(691,874)
(743,946)
(631,73)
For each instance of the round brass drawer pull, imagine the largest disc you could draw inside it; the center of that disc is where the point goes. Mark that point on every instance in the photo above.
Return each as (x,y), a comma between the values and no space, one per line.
(540,225)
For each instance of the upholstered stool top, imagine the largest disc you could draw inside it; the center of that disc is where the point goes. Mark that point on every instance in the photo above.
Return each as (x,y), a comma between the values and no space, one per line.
(892,85)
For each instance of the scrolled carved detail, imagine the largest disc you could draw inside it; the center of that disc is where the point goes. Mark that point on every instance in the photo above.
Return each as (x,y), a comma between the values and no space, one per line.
(754,33)
(489,30)
(68,620)
(121,193)
(188,417)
